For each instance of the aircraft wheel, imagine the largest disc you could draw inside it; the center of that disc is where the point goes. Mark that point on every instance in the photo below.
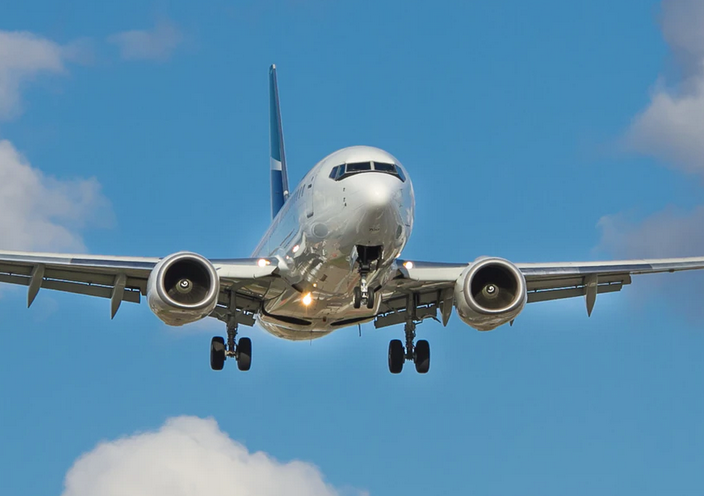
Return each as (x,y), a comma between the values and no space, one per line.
(422,356)
(397,356)
(244,353)
(357,297)
(217,353)
(370,299)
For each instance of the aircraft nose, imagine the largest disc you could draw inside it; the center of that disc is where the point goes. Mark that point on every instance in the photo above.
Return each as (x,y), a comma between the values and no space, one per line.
(378,195)
(379,192)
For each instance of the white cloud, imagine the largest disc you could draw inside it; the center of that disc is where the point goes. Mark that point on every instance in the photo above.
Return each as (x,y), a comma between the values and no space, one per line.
(44,213)
(682,22)
(189,456)
(670,233)
(22,57)
(672,126)
(672,129)
(155,44)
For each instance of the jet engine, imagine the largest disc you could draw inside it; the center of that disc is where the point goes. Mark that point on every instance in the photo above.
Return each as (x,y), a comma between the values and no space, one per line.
(183,288)
(489,293)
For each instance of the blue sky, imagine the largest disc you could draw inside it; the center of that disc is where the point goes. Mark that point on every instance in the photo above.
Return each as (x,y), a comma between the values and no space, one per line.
(540,131)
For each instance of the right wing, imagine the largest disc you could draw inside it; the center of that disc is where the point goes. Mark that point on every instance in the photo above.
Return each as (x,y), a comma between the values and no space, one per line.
(243,282)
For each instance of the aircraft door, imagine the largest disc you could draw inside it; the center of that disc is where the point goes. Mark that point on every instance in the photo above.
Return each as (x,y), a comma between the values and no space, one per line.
(309,198)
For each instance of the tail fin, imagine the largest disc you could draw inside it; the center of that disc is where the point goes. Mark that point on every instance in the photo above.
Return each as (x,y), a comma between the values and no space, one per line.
(279,176)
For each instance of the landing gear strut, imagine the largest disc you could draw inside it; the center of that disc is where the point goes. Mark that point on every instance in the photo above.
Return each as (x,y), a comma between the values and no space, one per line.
(363,294)
(418,353)
(239,350)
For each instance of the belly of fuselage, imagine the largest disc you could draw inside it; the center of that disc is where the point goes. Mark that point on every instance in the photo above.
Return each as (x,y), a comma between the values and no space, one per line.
(292,316)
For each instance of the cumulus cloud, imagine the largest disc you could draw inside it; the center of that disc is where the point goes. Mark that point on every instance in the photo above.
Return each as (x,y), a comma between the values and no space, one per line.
(189,456)
(682,22)
(670,233)
(44,213)
(672,126)
(148,44)
(23,56)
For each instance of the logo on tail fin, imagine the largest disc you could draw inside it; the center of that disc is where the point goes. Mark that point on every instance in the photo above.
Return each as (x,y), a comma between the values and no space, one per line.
(279,176)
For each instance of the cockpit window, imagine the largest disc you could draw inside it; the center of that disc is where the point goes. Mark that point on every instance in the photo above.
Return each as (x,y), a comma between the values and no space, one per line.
(381,166)
(345,170)
(358,167)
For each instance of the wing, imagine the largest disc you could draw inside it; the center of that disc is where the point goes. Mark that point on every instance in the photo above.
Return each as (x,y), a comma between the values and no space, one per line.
(426,288)
(243,282)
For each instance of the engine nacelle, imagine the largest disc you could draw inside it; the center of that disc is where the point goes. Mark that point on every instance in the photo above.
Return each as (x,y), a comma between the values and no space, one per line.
(183,288)
(489,293)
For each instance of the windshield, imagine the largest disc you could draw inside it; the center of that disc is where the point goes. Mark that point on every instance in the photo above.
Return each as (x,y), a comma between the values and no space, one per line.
(343,171)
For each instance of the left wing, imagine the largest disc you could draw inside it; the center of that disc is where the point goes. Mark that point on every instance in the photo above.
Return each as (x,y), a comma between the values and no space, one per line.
(427,287)
(125,278)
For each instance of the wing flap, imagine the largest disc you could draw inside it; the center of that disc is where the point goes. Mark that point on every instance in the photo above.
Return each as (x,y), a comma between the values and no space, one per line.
(559,294)
(131,295)
(542,284)
(95,278)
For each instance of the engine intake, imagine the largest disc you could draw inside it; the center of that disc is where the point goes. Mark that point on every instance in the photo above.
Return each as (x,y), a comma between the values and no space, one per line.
(489,293)
(187,281)
(494,286)
(183,288)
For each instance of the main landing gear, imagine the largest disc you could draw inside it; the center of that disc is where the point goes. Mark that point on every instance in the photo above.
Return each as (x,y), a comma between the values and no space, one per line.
(418,353)
(239,350)
(363,294)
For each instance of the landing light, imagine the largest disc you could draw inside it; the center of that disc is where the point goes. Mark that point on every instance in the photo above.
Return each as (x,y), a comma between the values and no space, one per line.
(295,248)
(307,299)
(262,262)
(408,265)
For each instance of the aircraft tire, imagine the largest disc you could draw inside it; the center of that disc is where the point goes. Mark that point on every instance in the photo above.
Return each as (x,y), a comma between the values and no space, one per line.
(422,357)
(370,299)
(396,356)
(217,353)
(357,297)
(244,354)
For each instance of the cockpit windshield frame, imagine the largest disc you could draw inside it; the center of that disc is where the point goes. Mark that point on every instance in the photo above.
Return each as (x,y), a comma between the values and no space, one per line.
(343,171)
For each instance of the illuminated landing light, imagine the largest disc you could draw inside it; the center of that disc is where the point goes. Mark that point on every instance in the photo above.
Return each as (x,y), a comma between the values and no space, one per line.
(307,299)
(408,265)
(296,248)
(262,262)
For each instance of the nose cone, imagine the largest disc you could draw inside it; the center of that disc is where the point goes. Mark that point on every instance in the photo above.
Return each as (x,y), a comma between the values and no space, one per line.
(379,192)
(376,208)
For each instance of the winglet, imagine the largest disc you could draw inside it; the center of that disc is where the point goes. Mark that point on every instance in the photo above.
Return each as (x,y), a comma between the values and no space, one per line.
(279,176)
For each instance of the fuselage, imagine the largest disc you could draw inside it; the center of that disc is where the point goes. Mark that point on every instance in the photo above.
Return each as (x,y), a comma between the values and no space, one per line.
(345,205)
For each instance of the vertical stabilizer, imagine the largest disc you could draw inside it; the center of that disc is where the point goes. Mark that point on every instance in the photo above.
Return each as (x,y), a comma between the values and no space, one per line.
(279,176)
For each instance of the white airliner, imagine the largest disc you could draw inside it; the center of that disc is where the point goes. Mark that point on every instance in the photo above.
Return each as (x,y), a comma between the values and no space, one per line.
(330,259)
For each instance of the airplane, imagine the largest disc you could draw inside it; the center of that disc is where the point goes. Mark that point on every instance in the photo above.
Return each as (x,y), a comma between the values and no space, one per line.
(330,259)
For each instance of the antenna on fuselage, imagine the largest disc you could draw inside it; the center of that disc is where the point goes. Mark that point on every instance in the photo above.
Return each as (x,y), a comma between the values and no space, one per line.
(279,175)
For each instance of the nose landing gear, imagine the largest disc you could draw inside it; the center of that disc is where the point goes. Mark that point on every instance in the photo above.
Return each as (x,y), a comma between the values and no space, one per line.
(418,353)
(363,294)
